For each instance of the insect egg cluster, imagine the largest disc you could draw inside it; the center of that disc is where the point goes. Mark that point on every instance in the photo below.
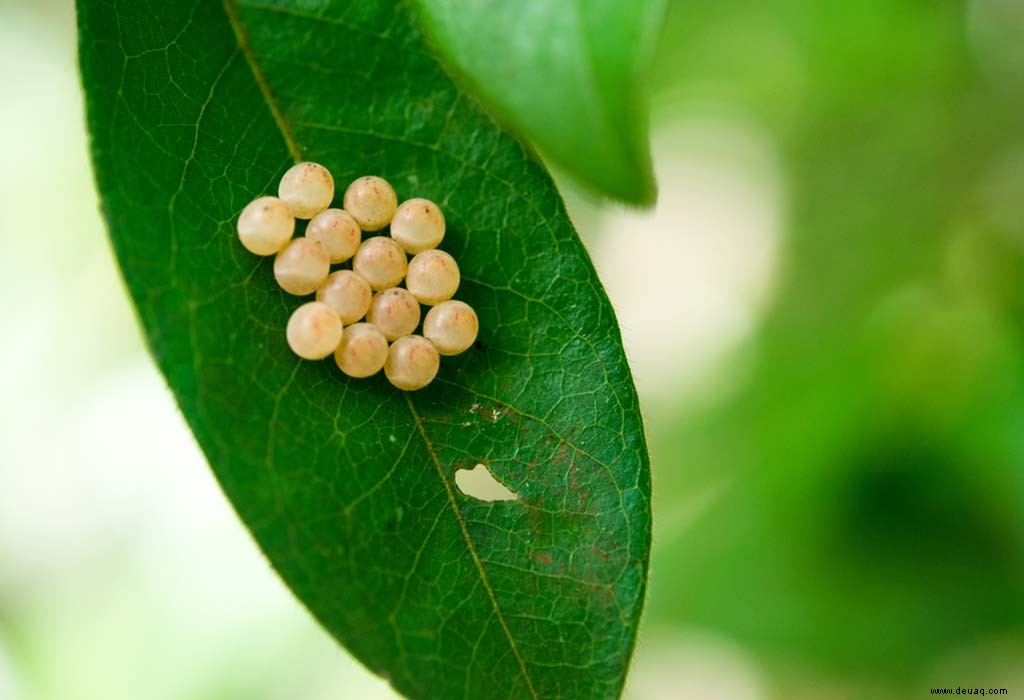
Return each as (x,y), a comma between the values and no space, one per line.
(361,315)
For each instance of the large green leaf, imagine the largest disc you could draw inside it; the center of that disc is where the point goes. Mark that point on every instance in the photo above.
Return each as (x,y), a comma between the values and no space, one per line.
(348,485)
(570,76)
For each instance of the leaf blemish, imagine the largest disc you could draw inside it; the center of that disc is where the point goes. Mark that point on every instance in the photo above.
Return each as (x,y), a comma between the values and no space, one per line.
(480,484)
(489,414)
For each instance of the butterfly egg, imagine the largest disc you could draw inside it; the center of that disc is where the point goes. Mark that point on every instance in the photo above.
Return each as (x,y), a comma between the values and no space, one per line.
(418,225)
(362,351)
(265,225)
(337,232)
(372,201)
(307,189)
(412,362)
(314,331)
(451,326)
(395,312)
(347,293)
(433,276)
(381,262)
(301,267)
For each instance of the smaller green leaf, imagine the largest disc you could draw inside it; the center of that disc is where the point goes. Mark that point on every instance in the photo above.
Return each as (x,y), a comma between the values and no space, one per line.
(568,76)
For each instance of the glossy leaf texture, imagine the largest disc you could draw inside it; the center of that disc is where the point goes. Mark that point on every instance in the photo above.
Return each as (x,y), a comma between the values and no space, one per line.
(571,77)
(348,485)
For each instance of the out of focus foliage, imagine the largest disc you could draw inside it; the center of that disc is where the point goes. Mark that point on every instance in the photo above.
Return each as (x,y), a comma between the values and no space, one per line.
(867,472)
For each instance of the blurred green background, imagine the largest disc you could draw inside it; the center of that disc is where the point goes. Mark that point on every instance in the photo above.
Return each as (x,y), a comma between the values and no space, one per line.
(834,390)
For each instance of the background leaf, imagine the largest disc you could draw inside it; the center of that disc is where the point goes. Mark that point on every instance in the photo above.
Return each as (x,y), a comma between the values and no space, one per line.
(569,76)
(877,481)
(348,486)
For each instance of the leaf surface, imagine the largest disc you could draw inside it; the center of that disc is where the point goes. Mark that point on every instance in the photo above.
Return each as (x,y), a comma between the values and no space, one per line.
(348,485)
(569,76)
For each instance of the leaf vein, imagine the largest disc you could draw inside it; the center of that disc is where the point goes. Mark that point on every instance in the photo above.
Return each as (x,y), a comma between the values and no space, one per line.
(231,9)
(471,547)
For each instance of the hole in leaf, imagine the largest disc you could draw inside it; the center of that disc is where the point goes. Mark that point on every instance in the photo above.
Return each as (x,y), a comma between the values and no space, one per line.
(479,483)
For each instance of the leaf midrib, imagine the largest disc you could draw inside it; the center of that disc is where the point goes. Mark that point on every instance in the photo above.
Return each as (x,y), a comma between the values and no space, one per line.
(241,36)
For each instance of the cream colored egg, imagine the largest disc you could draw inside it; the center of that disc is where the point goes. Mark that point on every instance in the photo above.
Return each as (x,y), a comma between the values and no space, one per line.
(372,201)
(314,331)
(301,267)
(265,225)
(452,327)
(337,232)
(381,262)
(412,363)
(418,225)
(395,312)
(307,189)
(347,293)
(362,351)
(433,276)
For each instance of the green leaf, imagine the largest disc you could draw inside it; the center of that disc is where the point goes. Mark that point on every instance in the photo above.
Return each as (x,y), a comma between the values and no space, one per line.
(348,486)
(569,76)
